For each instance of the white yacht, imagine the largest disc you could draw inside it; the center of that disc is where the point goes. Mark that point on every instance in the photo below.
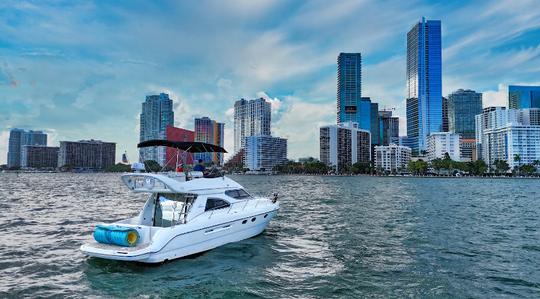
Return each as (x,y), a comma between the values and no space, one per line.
(185,214)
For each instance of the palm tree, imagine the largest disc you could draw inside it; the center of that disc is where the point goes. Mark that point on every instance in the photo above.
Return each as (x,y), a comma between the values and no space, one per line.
(517,159)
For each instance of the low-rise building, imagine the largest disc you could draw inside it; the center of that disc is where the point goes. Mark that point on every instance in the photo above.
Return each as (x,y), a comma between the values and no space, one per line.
(39,156)
(263,152)
(343,145)
(441,143)
(393,158)
(86,154)
(467,149)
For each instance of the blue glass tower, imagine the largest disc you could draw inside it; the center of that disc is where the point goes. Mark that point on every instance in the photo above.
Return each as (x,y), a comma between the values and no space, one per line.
(424,82)
(350,105)
(523,97)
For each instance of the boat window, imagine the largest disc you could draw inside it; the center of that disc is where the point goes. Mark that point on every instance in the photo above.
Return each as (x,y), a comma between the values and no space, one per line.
(172,208)
(238,194)
(216,203)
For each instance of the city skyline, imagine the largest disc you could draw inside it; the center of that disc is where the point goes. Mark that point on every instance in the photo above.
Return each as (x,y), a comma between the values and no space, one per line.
(77,80)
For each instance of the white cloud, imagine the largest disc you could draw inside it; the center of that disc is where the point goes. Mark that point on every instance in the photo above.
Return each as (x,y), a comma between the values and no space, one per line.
(497,97)
(300,124)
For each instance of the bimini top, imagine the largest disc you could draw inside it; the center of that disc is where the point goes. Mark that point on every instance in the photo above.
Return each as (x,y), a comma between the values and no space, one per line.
(159,183)
(190,147)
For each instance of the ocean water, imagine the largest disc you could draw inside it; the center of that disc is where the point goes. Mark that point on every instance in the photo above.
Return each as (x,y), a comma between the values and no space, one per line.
(334,237)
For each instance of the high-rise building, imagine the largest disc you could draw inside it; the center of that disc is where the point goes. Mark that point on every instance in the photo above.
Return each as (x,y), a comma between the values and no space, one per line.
(264,152)
(392,157)
(251,118)
(173,155)
(39,156)
(157,113)
(343,145)
(349,90)
(523,97)
(86,154)
(389,128)
(18,138)
(424,83)
(445,125)
(375,128)
(212,132)
(441,143)
(504,134)
(463,106)
(467,149)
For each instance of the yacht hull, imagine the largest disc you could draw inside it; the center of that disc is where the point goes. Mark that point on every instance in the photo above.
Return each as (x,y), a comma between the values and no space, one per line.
(180,243)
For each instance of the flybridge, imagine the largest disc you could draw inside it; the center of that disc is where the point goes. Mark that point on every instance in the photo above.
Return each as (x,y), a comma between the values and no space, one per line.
(175,183)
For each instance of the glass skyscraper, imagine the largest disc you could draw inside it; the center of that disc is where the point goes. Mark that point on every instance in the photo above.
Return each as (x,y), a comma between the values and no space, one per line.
(463,106)
(424,83)
(523,97)
(349,91)
(157,114)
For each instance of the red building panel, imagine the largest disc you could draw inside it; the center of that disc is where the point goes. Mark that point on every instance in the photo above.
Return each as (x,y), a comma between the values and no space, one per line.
(178,134)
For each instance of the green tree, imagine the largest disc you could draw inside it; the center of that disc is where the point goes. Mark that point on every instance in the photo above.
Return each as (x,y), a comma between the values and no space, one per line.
(501,166)
(119,167)
(527,169)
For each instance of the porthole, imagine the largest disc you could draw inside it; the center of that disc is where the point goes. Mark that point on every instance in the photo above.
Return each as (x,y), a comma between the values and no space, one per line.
(253,219)
(244,222)
(265,215)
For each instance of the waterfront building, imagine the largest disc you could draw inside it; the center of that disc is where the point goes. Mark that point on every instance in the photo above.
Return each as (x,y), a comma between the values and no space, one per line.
(251,118)
(212,132)
(441,143)
(445,125)
(406,141)
(523,97)
(503,134)
(86,154)
(343,145)
(264,152)
(393,158)
(389,128)
(349,90)
(172,154)
(18,138)
(467,149)
(39,156)
(424,84)
(463,106)
(375,126)
(157,113)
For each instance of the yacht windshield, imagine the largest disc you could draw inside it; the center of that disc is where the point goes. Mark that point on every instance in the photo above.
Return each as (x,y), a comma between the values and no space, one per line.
(172,209)
(238,194)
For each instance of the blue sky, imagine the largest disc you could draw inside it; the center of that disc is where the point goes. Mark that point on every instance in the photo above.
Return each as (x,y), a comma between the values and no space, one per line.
(82,69)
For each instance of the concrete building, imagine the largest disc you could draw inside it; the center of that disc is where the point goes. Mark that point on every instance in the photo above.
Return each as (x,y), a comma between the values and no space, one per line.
(343,145)
(212,132)
(157,113)
(393,158)
(503,134)
(178,134)
(445,116)
(467,149)
(389,128)
(86,154)
(424,83)
(39,157)
(520,97)
(440,143)
(263,152)
(18,138)
(251,118)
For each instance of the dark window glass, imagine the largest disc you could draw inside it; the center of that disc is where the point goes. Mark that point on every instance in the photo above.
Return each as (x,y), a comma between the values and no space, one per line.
(216,203)
(238,194)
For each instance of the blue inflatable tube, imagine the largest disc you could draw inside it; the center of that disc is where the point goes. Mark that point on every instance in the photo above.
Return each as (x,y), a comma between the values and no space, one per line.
(116,235)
